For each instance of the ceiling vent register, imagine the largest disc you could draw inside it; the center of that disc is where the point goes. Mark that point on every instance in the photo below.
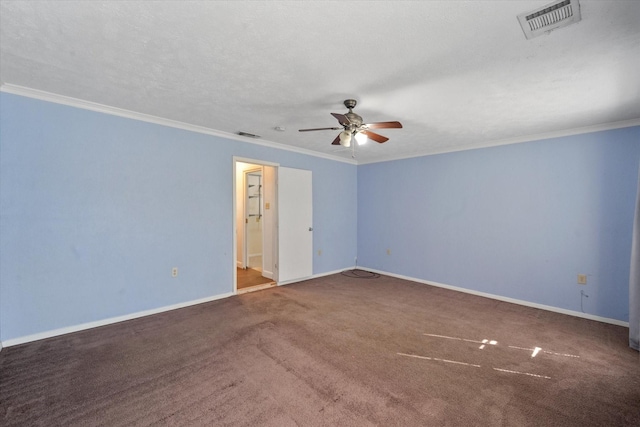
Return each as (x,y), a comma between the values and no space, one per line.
(550,17)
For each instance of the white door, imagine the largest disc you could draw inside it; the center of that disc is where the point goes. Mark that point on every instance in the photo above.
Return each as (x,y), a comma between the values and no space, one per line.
(295,225)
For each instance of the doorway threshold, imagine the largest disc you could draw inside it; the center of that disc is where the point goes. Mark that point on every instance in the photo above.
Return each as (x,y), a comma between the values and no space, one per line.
(256,288)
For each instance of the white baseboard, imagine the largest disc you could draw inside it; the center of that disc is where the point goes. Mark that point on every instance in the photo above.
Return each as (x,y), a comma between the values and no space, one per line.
(314,276)
(267,274)
(505,299)
(104,322)
(76,328)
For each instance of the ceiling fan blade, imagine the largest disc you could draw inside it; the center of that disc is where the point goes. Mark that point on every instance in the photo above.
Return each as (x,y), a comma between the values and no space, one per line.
(383,125)
(308,130)
(336,141)
(341,118)
(375,136)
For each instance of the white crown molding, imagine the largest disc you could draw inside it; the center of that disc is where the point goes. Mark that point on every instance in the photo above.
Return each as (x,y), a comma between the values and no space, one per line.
(517,140)
(120,112)
(92,106)
(505,299)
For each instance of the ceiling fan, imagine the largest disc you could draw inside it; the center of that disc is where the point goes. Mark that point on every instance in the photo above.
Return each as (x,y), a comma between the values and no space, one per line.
(354,128)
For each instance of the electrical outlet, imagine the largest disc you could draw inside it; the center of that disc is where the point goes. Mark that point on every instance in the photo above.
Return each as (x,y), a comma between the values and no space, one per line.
(174,272)
(582,279)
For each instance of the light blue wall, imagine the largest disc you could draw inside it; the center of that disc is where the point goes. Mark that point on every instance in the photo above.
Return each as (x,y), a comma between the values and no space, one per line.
(518,221)
(96,209)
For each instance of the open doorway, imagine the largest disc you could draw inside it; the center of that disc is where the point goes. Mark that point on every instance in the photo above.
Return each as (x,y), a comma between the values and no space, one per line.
(255,191)
(286,218)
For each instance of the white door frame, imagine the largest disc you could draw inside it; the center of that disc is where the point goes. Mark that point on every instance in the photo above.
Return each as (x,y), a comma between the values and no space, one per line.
(234,235)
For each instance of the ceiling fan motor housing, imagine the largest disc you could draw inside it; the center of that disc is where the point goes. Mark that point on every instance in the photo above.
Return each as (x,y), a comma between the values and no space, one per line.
(355,121)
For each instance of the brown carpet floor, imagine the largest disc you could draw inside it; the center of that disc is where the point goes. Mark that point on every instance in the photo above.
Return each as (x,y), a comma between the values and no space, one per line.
(333,351)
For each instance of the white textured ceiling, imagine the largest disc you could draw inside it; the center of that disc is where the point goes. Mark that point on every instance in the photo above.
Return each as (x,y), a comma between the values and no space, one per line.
(457,74)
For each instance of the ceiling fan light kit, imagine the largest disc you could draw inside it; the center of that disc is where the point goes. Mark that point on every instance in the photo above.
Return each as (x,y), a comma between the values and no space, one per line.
(345,138)
(354,128)
(360,138)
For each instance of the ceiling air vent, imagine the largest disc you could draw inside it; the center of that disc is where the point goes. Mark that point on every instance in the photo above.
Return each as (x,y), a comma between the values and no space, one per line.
(248,135)
(554,15)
